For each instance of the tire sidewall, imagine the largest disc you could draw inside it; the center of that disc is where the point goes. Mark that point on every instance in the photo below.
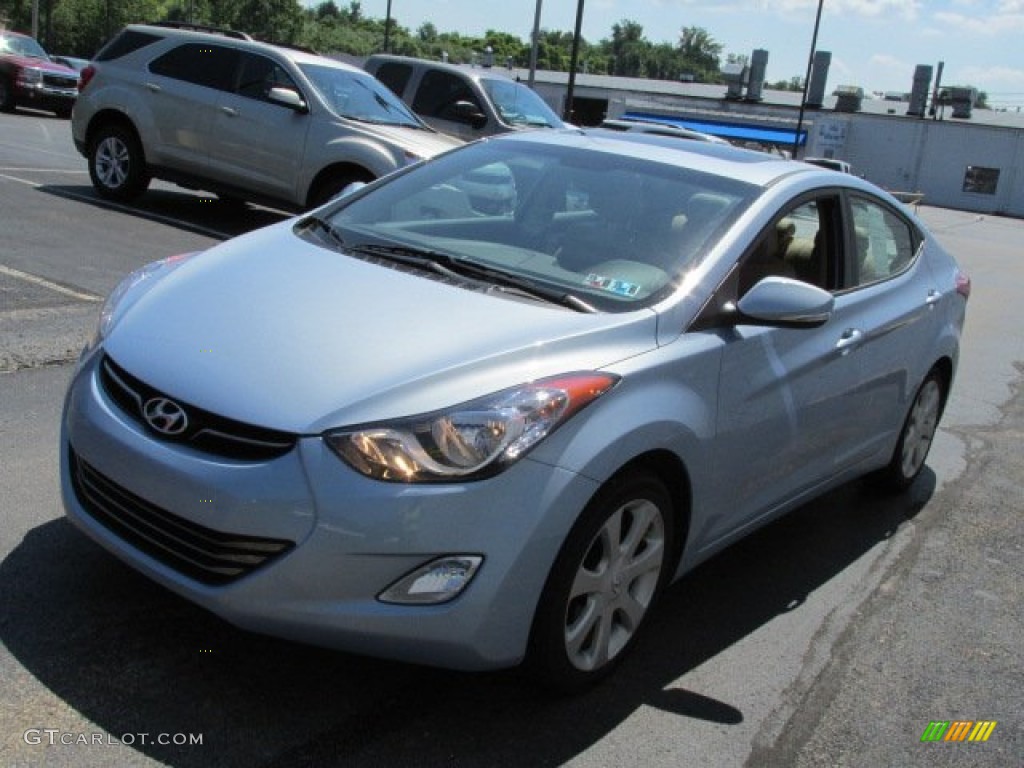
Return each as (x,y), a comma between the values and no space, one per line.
(136,179)
(893,474)
(547,659)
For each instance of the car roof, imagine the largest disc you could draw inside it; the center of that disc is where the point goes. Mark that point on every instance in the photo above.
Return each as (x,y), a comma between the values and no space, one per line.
(475,72)
(241,40)
(758,168)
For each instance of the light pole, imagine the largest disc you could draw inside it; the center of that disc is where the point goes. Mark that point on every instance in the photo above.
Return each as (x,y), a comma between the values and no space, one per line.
(536,43)
(572,62)
(387,27)
(807,82)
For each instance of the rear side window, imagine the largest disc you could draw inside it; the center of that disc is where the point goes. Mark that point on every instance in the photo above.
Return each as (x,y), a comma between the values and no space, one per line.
(212,66)
(394,75)
(127,42)
(885,243)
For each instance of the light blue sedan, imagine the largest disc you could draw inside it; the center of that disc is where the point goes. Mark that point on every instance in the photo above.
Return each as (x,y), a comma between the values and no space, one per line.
(409,427)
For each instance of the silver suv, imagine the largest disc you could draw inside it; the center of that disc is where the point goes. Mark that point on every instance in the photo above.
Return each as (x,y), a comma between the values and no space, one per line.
(467,102)
(216,110)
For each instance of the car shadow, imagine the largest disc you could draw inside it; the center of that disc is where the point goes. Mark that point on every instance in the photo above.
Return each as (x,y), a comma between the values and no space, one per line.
(133,658)
(195,212)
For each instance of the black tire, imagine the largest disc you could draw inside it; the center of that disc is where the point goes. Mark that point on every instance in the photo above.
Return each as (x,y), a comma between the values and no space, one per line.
(330,186)
(916,435)
(7,100)
(117,165)
(607,576)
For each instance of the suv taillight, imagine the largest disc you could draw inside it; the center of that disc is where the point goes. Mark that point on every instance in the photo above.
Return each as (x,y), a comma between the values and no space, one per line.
(85,76)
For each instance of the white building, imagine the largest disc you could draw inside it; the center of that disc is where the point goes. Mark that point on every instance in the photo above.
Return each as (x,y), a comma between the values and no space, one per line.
(972,164)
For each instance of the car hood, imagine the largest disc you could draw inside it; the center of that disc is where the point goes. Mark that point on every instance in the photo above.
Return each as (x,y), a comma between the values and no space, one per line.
(424,142)
(278,332)
(43,64)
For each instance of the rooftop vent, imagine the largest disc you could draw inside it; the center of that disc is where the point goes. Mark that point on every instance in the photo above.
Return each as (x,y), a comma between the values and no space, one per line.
(819,74)
(849,98)
(735,75)
(758,67)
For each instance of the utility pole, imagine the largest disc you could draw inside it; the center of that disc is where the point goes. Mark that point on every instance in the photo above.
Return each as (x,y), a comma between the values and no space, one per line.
(535,45)
(387,28)
(807,82)
(572,62)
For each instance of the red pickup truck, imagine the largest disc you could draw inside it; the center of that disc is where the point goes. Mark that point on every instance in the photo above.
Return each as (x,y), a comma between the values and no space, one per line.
(29,78)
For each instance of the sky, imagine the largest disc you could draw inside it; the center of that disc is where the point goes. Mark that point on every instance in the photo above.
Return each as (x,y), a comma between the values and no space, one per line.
(875,44)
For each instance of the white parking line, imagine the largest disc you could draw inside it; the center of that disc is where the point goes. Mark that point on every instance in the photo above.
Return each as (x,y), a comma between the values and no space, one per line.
(42,282)
(42,170)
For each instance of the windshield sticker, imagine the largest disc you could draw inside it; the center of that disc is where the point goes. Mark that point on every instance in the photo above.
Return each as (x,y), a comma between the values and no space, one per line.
(610,284)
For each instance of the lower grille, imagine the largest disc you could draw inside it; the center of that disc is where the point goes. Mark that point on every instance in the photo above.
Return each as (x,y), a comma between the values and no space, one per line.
(208,556)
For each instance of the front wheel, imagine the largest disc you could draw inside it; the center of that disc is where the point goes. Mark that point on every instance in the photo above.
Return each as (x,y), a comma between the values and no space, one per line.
(117,165)
(607,576)
(917,434)
(7,101)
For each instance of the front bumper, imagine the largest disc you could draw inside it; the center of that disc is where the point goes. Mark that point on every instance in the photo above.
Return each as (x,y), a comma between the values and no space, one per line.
(343,538)
(46,97)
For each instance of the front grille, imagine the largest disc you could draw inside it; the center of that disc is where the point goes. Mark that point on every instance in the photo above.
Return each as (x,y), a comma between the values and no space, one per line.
(206,431)
(208,556)
(60,81)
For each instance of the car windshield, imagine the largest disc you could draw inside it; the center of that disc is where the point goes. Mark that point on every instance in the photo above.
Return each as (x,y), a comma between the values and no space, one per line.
(358,96)
(615,231)
(22,46)
(518,105)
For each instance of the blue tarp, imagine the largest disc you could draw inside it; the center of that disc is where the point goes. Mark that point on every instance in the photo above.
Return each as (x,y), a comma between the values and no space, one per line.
(726,130)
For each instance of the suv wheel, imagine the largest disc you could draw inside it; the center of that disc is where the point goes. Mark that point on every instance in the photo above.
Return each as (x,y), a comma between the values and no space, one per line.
(117,166)
(6,95)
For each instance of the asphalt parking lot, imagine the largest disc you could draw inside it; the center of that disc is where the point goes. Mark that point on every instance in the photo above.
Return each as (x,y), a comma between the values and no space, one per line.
(831,638)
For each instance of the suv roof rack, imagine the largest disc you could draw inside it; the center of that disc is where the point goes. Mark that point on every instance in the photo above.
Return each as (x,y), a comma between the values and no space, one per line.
(202,28)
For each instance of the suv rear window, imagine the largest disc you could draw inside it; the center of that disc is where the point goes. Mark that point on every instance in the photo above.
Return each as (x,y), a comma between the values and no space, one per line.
(127,42)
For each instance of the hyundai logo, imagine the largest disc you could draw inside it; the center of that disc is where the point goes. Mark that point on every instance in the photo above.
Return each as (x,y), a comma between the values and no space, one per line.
(165,416)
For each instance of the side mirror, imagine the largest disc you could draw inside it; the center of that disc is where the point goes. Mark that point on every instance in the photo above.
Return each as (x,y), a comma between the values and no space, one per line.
(468,112)
(786,303)
(287,97)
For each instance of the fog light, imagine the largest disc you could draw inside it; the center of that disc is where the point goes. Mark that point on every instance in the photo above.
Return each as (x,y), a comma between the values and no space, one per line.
(436,582)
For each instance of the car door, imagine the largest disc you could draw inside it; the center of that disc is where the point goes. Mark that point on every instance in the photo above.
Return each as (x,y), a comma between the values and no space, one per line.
(888,325)
(184,87)
(257,144)
(787,396)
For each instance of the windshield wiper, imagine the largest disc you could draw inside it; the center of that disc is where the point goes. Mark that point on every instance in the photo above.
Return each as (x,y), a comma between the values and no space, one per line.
(326,232)
(452,266)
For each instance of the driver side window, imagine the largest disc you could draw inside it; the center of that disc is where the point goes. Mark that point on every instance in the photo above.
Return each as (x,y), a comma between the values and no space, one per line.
(797,244)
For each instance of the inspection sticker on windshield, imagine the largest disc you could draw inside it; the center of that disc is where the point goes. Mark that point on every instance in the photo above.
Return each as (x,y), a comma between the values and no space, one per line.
(610,284)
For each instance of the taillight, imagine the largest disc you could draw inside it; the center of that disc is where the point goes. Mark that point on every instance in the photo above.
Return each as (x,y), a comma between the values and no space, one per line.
(963,284)
(85,76)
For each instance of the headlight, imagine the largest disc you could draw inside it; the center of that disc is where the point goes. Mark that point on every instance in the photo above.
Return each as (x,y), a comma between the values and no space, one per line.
(472,440)
(31,76)
(113,304)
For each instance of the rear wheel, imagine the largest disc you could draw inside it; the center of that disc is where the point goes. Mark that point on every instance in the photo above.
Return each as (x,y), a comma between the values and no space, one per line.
(611,569)
(117,165)
(917,434)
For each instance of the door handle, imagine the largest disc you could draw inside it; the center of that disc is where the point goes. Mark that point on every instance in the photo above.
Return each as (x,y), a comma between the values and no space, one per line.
(851,338)
(154,87)
(229,111)
(932,298)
